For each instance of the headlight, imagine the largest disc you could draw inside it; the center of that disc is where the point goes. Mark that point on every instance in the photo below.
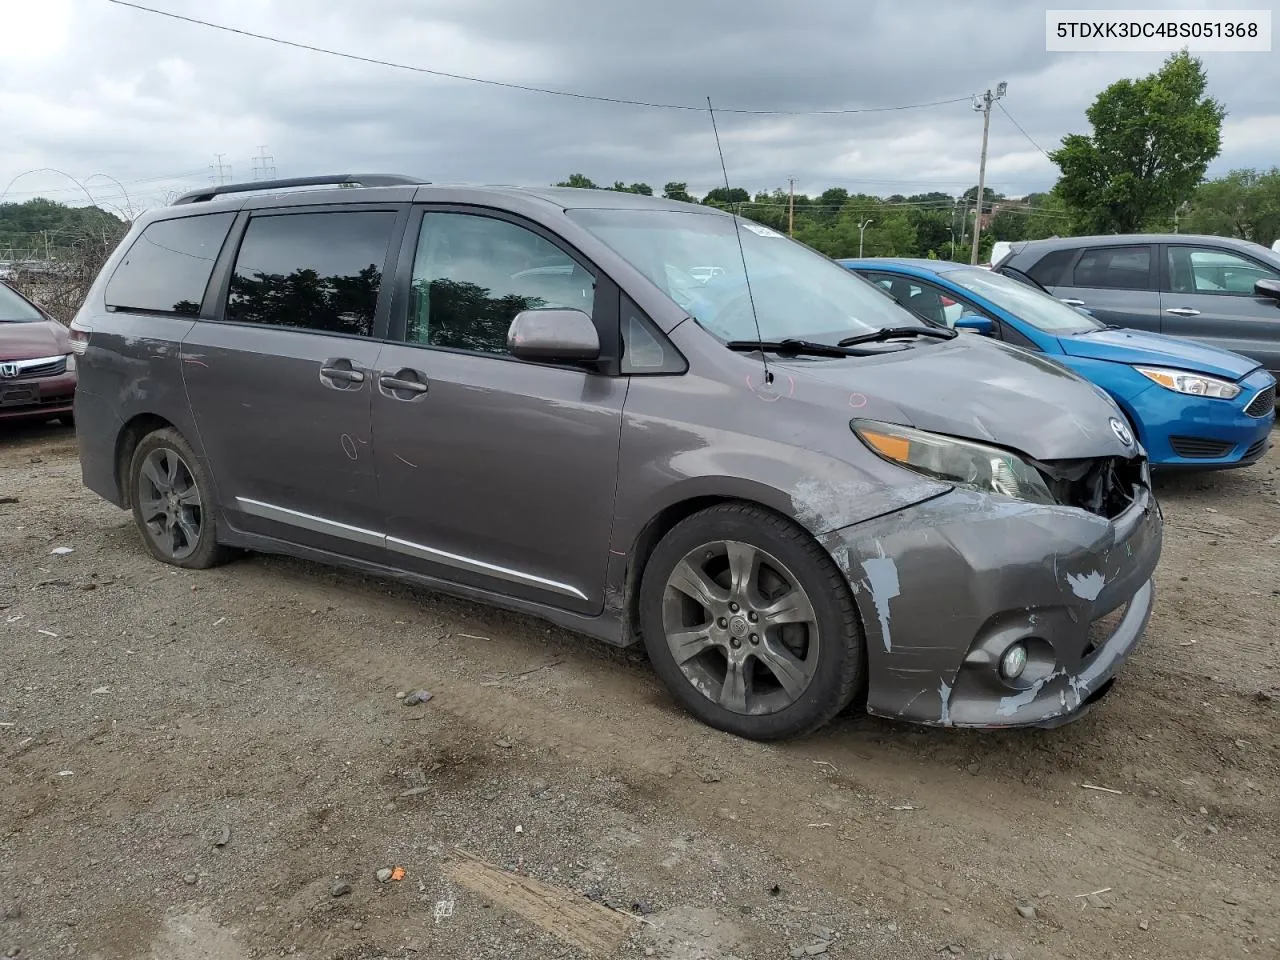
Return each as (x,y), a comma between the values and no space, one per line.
(963,462)
(71,363)
(1193,384)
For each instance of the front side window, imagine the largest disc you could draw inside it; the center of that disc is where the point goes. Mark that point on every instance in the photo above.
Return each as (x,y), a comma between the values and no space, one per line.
(1115,268)
(1205,270)
(472,275)
(313,271)
(793,291)
(1048,269)
(168,267)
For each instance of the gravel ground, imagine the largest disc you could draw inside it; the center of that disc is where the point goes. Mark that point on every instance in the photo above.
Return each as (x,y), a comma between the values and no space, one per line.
(193,764)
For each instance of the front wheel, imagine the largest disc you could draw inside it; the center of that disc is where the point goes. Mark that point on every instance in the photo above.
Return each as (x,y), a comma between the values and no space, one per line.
(173,502)
(750,624)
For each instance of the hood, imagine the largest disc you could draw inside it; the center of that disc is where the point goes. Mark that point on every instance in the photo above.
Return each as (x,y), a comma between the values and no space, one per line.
(987,391)
(1154,349)
(26,341)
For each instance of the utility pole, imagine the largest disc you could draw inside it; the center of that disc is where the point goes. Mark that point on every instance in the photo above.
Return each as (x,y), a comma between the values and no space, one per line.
(791,209)
(861,227)
(221,171)
(983,104)
(264,167)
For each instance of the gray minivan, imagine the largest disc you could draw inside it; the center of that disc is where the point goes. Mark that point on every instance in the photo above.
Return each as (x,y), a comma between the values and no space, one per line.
(1218,290)
(795,493)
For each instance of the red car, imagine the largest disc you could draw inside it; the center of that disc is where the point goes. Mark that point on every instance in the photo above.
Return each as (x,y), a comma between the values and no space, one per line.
(37,368)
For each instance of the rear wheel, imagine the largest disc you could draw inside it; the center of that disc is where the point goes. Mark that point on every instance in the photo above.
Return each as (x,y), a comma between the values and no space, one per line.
(750,624)
(173,502)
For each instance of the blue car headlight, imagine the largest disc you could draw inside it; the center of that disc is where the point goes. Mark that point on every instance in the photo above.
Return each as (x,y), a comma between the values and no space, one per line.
(1192,384)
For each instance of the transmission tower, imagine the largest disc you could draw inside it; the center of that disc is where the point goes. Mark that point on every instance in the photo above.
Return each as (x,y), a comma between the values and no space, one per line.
(264,167)
(220,172)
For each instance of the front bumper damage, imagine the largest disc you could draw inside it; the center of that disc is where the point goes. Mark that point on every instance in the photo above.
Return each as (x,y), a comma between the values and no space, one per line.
(944,587)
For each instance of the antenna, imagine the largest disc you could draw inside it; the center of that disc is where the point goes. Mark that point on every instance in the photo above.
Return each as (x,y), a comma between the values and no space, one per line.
(737,232)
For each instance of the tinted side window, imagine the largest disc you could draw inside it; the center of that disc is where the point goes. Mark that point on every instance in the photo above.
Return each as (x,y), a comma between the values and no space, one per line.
(169,265)
(315,271)
(1206,270)
(473,274)
(1117,268)
(1049,269)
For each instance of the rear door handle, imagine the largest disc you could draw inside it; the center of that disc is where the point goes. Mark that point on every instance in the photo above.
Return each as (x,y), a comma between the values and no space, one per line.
(1183,311)
(340,371)
(1072,302)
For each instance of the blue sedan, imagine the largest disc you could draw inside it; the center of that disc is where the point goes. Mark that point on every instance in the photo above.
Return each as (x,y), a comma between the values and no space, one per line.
(1191,405)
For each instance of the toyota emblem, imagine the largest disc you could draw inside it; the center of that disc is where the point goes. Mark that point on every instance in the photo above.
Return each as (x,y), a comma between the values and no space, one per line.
(1122,432)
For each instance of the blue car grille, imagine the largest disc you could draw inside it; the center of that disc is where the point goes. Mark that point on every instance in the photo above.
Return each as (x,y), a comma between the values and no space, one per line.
(1263,403)
(1200,448)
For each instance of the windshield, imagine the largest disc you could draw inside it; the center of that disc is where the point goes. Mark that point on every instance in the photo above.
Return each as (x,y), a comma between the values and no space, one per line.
(1042,311)
(694,258)
(13,309)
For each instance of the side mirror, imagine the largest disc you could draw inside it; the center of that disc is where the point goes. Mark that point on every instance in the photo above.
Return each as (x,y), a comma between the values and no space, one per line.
(976,323)
(564,336)
(1267,288)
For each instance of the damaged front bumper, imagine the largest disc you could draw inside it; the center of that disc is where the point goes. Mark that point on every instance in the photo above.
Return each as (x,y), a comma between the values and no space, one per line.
(946,586)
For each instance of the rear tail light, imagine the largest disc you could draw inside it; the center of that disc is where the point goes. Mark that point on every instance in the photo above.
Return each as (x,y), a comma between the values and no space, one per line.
(947,301)
(78,338)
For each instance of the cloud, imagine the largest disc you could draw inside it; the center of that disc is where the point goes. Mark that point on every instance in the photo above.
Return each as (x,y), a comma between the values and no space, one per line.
(101,88)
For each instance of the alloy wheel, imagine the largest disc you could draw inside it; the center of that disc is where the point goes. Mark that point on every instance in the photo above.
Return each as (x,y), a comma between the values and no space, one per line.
(740,627)
(170,503)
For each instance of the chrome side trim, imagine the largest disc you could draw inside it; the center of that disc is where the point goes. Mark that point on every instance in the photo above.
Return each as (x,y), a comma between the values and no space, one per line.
(307,521)
(479,566)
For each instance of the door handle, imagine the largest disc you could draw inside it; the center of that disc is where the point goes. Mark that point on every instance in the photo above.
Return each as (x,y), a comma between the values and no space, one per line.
(401,382)
(1072,302)
(1183,311)
(341,373)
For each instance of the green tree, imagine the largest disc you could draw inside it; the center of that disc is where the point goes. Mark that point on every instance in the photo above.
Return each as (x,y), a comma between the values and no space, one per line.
(641,188)
(579,180)
(676,190)
(1244,204)
(726,197)
(1152,140)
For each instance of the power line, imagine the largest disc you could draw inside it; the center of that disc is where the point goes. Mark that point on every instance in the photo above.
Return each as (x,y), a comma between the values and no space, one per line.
(521,86)
(1023,132)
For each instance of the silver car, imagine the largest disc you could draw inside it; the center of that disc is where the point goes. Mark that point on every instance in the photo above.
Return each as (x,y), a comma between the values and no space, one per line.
(793,492)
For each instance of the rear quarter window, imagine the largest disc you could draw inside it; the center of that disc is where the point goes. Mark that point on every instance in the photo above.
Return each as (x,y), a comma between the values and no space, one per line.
(168,267)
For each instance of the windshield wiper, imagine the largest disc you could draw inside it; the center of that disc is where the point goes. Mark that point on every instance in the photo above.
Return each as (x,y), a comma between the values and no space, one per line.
(942,333)
(794,347)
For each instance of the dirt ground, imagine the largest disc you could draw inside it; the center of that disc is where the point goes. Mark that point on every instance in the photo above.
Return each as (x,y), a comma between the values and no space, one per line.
(193,764)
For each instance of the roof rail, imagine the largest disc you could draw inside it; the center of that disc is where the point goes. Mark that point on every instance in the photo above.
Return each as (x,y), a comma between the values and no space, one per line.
(333,179)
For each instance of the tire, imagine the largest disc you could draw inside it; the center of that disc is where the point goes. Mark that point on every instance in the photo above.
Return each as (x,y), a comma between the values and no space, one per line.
(67,420)
(178,529)
(773,663)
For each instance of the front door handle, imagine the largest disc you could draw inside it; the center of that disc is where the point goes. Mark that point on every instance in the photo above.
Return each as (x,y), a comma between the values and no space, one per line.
(1072,302)
(1183,311)
(401,382)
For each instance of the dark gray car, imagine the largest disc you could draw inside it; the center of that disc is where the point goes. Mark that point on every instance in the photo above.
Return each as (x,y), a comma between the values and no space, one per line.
(1218,290)
(541,399)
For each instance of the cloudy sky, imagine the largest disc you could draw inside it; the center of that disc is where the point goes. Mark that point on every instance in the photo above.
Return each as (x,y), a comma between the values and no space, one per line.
(100,90)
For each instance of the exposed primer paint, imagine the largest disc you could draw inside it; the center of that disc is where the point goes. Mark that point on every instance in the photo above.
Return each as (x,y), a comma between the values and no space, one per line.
(882,581)
(1087,586)
(823,505)
(1011,704)
(944,693)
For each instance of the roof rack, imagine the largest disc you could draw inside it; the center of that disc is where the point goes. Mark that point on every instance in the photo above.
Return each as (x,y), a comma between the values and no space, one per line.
(333,179)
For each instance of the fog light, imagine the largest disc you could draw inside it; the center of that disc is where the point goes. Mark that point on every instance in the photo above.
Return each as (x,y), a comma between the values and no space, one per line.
(1013,662)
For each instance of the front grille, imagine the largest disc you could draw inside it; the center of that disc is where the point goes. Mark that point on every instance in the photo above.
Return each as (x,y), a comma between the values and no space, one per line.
(1200,448)
(1257,450)
(1263,403)
(1106,486)
(52,368)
